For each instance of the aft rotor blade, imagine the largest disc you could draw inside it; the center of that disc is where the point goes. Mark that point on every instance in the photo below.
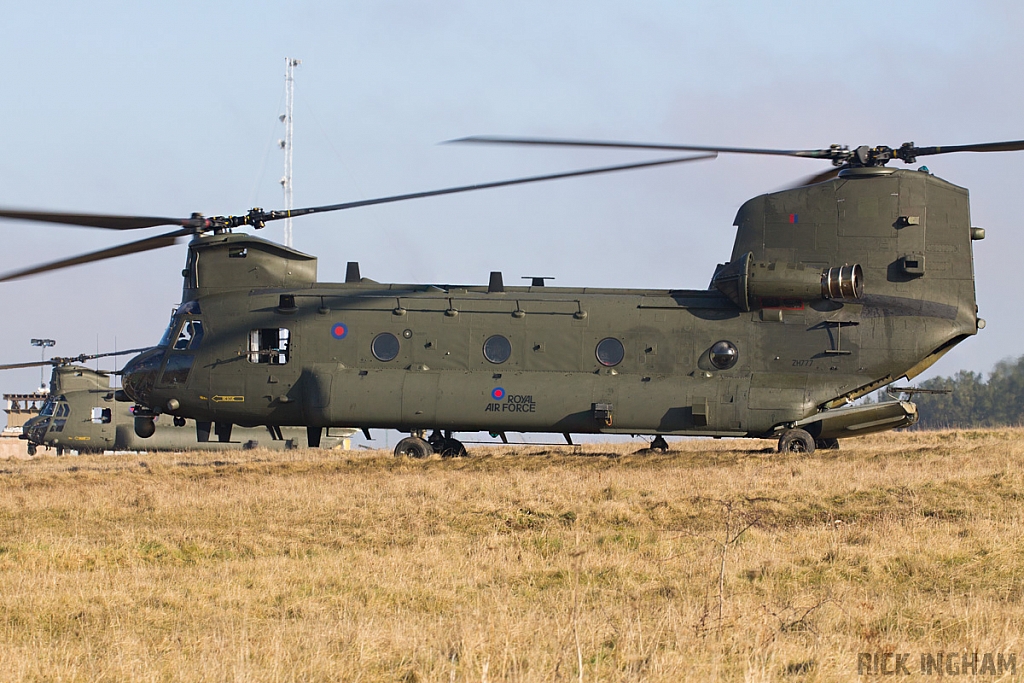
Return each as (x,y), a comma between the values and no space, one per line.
(147,244)
(58,360)
(89,220)
(276,215)
(555,142)
(1012,146)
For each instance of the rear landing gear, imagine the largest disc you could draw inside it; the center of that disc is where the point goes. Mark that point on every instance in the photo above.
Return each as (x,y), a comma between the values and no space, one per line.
(659,444)
(796,441)
(827,444)
(445,446)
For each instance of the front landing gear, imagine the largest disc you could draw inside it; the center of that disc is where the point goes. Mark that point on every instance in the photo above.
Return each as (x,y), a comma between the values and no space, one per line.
(413,447)
(796,441)
(659,444)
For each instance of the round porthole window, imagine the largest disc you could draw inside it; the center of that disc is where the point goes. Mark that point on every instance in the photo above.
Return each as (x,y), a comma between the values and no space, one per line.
(385,346)
(497,349)
(724,355)
(610,352)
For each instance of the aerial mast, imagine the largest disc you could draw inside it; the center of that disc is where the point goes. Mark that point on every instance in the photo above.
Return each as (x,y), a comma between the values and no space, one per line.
(286,143)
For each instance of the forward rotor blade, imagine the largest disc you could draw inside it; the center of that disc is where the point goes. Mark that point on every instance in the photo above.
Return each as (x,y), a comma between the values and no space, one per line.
(147,244)
(90,220)
(555,142)
(277,215)
(1013,146)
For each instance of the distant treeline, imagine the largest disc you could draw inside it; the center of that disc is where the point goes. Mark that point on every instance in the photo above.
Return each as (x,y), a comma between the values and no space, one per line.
(974,402)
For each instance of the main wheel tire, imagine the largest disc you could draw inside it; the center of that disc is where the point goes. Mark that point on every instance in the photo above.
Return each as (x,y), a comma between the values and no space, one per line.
(31,449)
(826,444)
(451,448)
(659,444)
(796,441)
(413,447)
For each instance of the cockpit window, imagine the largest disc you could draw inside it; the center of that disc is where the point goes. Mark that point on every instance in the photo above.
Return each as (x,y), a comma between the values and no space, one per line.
(177,369)
(62,409)
(48,406)
(169,332)
(188,308)
(269,345)
(185,309)
(189,336)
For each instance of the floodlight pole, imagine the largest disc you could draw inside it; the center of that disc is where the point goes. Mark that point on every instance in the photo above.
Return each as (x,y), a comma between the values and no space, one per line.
(43,344)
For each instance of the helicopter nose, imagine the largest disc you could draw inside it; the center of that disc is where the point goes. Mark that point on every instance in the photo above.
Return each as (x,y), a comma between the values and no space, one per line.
(139,375)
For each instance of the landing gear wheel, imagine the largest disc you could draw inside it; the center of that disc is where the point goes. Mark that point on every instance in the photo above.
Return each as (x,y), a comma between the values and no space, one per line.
(445,446)
(796,441)
(60,450)
(31,449)
(659,444)
(179,421)
(451,448)
(826,444)
(413,447)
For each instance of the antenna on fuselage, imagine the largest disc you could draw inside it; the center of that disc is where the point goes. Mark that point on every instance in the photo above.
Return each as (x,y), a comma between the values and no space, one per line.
(286,143)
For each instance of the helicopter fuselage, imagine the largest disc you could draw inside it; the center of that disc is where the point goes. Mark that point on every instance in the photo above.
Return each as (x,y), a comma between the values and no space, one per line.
(257,340)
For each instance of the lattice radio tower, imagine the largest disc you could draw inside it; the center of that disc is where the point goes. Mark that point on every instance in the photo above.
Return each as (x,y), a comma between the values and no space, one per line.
(286,144)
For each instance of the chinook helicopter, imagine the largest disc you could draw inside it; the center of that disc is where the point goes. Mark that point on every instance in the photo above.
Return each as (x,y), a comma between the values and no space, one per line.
(861,275)
(82,414)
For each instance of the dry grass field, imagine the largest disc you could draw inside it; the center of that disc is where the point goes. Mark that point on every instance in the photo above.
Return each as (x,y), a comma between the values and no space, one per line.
(717,561)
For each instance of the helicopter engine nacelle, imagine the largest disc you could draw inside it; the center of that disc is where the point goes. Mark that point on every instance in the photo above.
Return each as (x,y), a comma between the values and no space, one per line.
(753,285)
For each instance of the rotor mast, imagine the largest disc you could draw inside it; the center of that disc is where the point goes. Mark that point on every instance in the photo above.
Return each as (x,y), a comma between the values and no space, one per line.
(286,143)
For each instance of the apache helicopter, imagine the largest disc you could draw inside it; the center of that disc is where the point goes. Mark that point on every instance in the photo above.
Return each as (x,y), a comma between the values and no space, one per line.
(861,275)
(82,413)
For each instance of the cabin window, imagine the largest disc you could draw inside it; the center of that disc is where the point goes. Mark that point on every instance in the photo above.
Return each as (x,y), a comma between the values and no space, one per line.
(58,425)
(271,345)
(497,349)
(385,347)
(189,336)
(177,369)
(101,415)
(610,352)
(723,355)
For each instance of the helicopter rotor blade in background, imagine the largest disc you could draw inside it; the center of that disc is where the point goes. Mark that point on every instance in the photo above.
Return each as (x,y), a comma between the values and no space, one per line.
(30,364)
(147,244)
(99,220)
(59,360)
(555,142)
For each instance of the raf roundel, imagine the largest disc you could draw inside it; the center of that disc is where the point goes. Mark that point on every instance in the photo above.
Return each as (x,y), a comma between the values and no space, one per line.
(339,330)
(498,393)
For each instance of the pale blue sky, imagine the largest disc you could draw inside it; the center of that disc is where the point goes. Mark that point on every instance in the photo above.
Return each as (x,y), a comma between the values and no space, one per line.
(170,108)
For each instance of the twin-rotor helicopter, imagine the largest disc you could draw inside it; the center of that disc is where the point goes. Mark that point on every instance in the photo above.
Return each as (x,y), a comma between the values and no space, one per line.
(82,414)
(861,275)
